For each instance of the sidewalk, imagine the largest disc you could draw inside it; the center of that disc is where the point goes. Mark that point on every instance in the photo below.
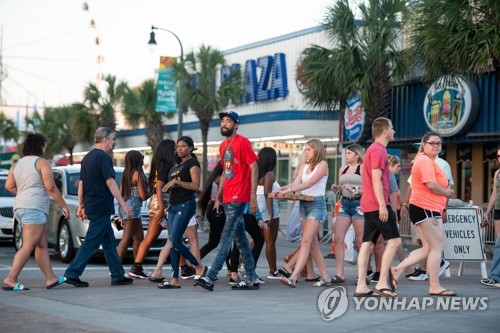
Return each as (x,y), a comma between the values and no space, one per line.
(275,307)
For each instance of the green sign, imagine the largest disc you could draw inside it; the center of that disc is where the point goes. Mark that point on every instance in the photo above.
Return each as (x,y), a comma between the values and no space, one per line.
(166,99)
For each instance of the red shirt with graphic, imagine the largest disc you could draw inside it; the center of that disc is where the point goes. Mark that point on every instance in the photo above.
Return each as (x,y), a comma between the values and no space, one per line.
(236,156)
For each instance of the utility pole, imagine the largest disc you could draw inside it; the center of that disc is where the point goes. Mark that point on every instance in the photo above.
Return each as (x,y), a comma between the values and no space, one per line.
(3,72)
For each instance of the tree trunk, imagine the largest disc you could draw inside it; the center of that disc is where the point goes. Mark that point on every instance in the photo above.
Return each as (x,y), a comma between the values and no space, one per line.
(154,134)
(204,137)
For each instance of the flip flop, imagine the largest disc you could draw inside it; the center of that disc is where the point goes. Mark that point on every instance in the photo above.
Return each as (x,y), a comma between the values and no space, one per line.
(316,279)
(60,281)
(17,287)
(392,280)
(371,293)
(157,280)
(385,292)
(445,293)
(167,285)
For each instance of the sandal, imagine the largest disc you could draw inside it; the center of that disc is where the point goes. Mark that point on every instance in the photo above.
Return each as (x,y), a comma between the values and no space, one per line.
(284,272)
(288,282)
(322,283)
(337,279)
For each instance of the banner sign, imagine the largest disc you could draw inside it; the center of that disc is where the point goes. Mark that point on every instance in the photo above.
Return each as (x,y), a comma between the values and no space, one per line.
(166,94)
(462,234)
(354,117)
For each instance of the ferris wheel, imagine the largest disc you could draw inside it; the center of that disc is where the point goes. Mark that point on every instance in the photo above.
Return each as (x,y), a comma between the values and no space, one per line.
(32,62)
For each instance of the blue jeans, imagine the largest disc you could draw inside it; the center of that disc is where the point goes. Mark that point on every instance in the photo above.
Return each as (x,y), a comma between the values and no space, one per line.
(100,232)
(234,228)
(178,219)
(495,264)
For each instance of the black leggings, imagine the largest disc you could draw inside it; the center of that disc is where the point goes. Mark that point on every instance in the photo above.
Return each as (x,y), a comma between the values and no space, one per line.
(217,223)
(252,227)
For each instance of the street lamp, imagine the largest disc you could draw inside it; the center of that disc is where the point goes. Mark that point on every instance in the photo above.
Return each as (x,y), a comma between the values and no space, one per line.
(152,47)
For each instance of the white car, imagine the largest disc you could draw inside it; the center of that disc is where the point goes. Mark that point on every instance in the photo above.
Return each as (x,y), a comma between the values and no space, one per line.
(6,211)
(66,236)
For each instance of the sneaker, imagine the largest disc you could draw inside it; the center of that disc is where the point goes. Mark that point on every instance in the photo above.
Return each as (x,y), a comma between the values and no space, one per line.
(375,277)
(415,273)
(259,280)
(490,283)
(122,282)
(369,274)
(274,276)
(205,283)
(233,282)
(187,272)
(77,282)
(243,285)
(443,266)
(137,272)
(422,276)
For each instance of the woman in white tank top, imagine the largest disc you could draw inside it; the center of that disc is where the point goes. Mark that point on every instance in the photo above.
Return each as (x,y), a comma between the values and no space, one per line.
(311,180)
(32,181)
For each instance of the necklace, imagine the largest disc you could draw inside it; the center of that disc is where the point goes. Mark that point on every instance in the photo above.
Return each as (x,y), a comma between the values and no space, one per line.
(229,144)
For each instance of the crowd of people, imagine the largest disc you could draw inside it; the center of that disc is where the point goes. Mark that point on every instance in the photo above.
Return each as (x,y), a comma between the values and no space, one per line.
(240,197)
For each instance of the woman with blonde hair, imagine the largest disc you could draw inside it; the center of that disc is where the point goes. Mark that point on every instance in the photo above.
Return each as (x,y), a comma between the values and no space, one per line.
(311,180)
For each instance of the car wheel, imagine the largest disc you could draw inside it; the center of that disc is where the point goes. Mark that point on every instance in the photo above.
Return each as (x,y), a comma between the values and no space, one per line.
(65,243)
(18,235)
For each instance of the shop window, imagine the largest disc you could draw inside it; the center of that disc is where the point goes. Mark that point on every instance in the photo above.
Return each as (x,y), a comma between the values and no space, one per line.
(464,168)
(490,166)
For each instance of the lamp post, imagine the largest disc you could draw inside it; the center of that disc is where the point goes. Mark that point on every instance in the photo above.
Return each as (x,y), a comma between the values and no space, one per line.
(152,47)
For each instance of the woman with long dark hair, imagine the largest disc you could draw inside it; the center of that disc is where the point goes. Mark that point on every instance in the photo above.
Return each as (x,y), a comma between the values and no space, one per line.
(163,160)
(268,206)
(134,191)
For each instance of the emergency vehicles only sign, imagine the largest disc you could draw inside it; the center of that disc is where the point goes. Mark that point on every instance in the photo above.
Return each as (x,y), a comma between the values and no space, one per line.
(462,235)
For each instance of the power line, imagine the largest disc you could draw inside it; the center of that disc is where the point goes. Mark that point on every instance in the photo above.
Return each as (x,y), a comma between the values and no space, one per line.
(48,59)
(43,39)
(41,78)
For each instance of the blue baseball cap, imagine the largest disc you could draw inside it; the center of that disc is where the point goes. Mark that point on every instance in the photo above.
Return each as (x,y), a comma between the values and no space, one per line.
(231,114)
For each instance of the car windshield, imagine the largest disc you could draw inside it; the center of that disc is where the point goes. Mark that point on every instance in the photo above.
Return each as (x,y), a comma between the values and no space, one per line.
(73,179)
(3,191)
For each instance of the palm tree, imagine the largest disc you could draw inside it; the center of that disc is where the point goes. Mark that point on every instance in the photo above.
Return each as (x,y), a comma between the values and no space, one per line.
(200,92)
(365,58)
(8,129)
(60,127)
(104,106)
(456,37)
(139,107)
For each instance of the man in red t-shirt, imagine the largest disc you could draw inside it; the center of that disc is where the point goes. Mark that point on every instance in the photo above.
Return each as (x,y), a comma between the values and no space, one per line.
(237,187)
(379,217)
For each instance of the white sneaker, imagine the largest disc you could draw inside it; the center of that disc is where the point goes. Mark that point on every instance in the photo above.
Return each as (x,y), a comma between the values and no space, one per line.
(274,276)
(443,266)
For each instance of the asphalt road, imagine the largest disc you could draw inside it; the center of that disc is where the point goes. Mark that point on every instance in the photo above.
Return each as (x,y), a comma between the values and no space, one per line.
(277,308)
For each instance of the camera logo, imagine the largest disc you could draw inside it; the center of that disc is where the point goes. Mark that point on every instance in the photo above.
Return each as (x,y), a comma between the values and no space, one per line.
(332,303)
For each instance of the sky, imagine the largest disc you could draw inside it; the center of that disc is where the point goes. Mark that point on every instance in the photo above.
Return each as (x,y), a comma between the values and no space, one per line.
(49,52)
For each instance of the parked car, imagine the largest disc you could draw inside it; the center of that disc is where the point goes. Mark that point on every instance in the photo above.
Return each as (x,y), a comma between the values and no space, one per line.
(6,211)
(66,236)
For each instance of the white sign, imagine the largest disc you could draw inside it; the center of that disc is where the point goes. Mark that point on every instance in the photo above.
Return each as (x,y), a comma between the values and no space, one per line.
(462,235)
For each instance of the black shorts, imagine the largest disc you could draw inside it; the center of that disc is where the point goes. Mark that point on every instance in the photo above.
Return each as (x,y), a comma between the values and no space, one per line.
(418,215)
(496,214)
(374,227)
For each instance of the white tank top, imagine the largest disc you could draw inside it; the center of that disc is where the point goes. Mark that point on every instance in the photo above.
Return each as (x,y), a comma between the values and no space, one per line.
(31,192)
(318,189)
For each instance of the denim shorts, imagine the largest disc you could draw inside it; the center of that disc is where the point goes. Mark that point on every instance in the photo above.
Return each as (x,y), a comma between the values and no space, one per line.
(135,204)
(350,209)
(313,209)
(30,216)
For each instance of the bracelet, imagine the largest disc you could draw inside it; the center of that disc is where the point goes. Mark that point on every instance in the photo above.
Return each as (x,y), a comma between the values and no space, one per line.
(404,204)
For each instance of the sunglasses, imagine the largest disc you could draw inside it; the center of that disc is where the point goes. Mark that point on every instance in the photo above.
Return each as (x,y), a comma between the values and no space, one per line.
(434,143)
(498,156)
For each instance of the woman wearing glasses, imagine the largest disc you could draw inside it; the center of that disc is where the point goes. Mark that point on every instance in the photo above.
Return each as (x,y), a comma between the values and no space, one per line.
(430,192)
(494,204)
